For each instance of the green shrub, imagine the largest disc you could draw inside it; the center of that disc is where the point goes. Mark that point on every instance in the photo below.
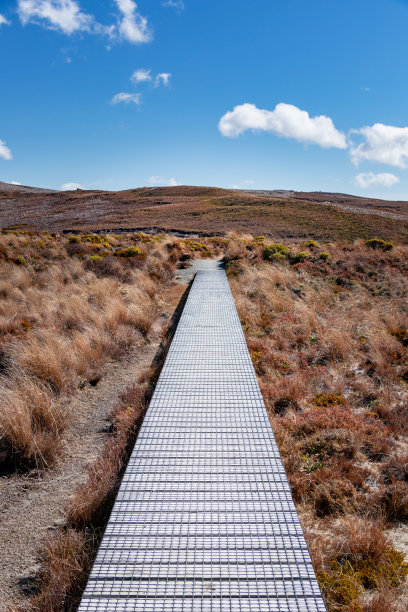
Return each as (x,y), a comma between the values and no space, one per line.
(324,256)
(20,261)
(96,258)
(378,243)
(258,240)
(272,252)
(340,589)
(299,257)
(349,577)
(312,244)
(74,239)
(323,400)
(195,246)
(129,252)
(94,239)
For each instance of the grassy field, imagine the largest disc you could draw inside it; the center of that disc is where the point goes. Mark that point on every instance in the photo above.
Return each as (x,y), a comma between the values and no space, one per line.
(327,327)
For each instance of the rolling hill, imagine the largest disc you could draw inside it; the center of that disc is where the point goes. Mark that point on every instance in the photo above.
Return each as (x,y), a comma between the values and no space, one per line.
(204,210)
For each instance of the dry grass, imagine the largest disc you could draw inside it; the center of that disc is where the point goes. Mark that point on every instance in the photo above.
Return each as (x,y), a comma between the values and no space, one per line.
(327,336)
(69,554)
(65,559)
(327,339)
(68,306)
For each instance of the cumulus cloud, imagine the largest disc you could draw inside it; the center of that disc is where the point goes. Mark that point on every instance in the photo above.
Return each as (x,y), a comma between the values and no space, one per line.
(285,120)
(385,144)
(15,183)
(71,186)
(5,152)
(369,179)
(159,181)
(133,26)
(3,20)
(177,4)
(163,77)
(65,15)
(127,98)
(141,76)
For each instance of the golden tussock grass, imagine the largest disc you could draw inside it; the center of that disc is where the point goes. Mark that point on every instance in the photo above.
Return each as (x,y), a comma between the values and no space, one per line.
(73,305)
(327,340)
(327,336)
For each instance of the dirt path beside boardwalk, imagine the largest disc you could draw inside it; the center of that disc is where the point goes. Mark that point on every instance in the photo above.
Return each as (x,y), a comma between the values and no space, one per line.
(32,506)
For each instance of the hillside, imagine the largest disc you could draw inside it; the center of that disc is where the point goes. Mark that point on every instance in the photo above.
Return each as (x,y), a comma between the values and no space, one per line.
(284,215)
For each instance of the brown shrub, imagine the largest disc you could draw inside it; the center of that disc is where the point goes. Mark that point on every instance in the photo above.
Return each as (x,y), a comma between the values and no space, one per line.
(325,491)
(396,468)
(392,501)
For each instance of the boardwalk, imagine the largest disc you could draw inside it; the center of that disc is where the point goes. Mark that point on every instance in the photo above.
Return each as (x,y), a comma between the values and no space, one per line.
(204,519)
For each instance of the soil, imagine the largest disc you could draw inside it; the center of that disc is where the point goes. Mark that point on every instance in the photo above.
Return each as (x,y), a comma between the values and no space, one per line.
(32,505)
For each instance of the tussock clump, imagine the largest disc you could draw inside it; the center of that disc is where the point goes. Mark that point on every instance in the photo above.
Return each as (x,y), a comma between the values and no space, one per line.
(65,561)
(30,423)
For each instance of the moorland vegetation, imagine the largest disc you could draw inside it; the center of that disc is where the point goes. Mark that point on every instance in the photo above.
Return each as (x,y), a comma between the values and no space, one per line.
(327,328)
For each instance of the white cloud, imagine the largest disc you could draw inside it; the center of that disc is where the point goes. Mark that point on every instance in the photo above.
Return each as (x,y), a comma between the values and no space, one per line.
(3,20)
(133,26)
(244,184)
(15,183)
(177,4)
(5,152)
(385,144)
(127,98)
(159,181)
(163,77)
(369,179)
(71,186)
(285,120)
(65,15)
(141,76)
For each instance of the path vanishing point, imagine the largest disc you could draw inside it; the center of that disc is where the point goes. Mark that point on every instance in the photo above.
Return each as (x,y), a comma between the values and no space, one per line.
(204,518)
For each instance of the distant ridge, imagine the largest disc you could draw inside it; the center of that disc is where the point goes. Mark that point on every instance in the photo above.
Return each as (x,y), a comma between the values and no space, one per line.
(23,188)
(278,214)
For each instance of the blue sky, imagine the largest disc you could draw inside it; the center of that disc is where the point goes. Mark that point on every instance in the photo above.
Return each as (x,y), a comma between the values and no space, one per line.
(112,94)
